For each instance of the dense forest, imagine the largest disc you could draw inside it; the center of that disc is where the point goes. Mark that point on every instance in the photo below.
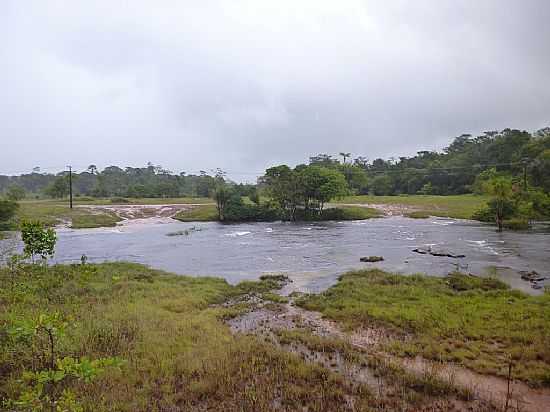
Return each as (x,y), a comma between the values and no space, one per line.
(459,168)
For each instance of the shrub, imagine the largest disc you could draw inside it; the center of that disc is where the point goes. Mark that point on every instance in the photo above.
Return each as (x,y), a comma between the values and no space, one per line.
(15,193)
(37,239)
(7,212)
(237,211)
(517,223)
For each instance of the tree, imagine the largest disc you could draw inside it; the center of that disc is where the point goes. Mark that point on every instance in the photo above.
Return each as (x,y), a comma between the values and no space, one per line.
(254,196)
(345,156)
(58,188)
(222,194)
(284,187)
(333,184)
(382,185)
(356,177)
(92,169)
(38,240)
(7,212)
(324,160)
(500,188)
(15,193)
(320,185)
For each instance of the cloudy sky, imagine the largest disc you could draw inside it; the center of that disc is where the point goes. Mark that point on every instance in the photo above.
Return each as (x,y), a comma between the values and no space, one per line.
(242,85)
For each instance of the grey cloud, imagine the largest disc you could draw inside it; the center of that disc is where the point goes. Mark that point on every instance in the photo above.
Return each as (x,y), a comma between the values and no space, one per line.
(242,85)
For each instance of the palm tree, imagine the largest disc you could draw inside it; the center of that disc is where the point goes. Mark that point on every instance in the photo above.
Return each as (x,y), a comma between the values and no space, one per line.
(345,155)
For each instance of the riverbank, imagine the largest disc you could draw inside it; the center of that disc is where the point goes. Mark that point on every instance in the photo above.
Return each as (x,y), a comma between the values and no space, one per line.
(170,332)
(89,213)
(93,213)
(419,206)
(208,213)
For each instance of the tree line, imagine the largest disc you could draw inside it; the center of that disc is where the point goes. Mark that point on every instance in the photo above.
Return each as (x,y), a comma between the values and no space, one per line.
(113,181)
(455,170)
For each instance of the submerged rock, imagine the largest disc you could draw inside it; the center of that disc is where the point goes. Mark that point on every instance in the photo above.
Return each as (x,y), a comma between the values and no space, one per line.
(371,259)
(441,253)
(534,277)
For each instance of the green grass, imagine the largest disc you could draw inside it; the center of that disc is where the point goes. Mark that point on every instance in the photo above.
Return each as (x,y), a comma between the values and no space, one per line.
(426,382)
(54,213)
(179,355)
(206,213)
(351,213)
(479,323)
(419,214)
(84,220)
(456,206)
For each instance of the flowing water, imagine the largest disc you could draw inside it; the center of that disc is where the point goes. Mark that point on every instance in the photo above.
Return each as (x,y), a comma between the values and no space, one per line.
(313,254)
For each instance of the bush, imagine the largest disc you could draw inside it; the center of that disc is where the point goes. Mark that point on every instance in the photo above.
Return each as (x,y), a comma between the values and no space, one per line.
(237,211)
(15,193)
(517,223)
(38,240)
(488,213)
(7,212)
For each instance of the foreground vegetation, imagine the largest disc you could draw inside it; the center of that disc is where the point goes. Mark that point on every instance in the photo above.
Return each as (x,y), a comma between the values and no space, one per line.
(167,346)
(477,322)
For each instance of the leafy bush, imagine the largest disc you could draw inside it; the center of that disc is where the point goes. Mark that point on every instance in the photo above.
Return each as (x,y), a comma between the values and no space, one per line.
(15,193)
(516,223)
(7,212)
(37,239)
(238,211)
(488,213)
(47,385)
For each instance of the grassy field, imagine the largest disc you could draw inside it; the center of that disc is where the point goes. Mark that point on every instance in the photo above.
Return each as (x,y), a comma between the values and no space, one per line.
(354,213)
(477,322)
(458,206)
(176,352)
(206,213)
(53,212)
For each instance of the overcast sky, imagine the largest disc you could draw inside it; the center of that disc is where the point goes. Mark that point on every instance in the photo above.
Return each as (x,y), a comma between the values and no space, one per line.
(243,85)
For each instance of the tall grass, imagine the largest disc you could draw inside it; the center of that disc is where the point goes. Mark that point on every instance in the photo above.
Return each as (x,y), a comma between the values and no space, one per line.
(477,322)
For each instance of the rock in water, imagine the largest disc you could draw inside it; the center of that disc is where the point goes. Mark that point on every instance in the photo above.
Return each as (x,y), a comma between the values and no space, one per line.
(371,259)
(429,251)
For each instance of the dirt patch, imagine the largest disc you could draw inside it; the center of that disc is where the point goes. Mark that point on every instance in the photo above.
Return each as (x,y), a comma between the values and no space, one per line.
(483,392)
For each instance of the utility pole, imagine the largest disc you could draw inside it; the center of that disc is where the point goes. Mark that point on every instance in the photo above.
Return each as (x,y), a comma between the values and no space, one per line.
(70,186)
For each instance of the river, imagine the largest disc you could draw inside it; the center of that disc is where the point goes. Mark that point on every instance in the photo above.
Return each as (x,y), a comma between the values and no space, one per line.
(313,254)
